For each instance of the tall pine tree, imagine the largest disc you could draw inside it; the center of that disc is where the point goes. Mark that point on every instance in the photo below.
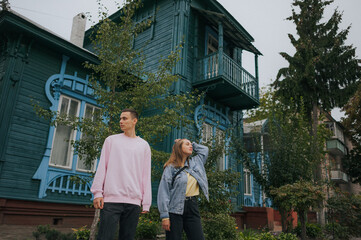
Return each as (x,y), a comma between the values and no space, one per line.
(323,71)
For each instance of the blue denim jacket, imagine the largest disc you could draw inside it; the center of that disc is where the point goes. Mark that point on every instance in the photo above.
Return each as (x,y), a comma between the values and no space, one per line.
(171,198)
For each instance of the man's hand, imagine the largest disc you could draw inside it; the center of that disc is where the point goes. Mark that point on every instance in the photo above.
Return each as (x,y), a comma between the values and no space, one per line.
(166,224)
(98,203)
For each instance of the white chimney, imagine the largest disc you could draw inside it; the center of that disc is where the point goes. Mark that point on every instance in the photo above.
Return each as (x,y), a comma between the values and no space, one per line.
(78,29)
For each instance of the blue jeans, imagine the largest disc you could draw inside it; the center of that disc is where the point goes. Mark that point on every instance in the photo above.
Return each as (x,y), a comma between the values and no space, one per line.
(124,214)
(190,222)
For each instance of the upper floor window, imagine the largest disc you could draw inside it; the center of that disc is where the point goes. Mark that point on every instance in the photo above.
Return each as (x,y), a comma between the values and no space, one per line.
(92,113)
(247,182)
(62,152)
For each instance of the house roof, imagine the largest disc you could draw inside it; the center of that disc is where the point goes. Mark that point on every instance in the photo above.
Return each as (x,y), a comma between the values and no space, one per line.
(232,29)
(13,22)
(256,126)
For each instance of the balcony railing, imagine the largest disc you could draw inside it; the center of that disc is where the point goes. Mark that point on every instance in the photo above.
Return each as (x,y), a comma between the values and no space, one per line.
(336,147)
(210,69)
(339,176)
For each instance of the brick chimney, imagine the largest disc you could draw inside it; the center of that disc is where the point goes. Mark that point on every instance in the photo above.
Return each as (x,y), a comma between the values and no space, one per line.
(78,29)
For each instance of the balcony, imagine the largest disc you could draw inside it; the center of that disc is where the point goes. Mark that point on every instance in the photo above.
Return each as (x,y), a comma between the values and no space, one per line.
(339,176)
(227,82)
(336,147)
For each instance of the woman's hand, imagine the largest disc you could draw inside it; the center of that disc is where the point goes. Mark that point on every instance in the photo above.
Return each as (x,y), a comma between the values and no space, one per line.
(166,224)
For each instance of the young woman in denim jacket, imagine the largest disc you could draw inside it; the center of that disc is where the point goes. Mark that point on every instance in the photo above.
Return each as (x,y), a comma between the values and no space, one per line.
(177,197)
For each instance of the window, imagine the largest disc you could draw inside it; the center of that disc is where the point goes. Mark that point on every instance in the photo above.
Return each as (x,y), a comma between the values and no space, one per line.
(247,182)
(62,151)
(212,44)
(91,113)
(207,135)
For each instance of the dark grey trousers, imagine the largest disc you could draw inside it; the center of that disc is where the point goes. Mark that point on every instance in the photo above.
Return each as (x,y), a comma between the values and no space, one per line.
(124,214)
(190,222)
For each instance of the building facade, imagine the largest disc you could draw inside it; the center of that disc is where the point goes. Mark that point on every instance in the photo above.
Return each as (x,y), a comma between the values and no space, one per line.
(36,66)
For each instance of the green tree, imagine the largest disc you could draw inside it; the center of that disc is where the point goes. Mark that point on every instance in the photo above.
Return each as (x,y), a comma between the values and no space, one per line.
(323,72)
(120,81)
(352,124)
(299,196)
(289,153)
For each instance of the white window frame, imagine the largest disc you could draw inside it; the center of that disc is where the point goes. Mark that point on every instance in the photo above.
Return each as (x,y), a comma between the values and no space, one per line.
(93,167)
(247,182)
(71,155)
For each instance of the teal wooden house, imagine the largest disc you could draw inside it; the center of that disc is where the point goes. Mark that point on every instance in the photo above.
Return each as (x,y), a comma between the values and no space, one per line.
(36,65)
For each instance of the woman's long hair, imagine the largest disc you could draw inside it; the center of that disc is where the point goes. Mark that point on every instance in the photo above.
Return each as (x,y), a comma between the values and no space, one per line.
(176,158)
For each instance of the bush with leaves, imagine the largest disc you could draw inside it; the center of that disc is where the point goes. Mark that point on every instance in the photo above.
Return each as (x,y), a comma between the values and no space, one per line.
(334,230)
(52,234)
(82,233)
(219,226)
(313,231)
(147,229)
(249,234)
(345,209)
(267,236)
(287,236)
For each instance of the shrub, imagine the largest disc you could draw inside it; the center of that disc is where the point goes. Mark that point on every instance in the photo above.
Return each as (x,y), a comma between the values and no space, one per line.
(147,229)
(267,236)
(287,236)
(219,226)
(345,209)
(82,233)
(337,231)
(313,231)
(52,234)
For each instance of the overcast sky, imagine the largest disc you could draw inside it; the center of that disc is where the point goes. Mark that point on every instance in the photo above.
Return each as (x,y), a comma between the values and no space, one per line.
(263,19)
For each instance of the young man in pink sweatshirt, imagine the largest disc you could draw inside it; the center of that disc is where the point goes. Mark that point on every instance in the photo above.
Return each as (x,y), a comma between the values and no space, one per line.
(122,182)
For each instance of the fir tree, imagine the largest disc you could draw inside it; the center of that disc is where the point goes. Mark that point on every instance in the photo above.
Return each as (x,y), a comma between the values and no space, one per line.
(323,71)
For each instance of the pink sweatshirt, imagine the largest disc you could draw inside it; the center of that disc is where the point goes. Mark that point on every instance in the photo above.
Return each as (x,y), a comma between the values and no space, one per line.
(124,171)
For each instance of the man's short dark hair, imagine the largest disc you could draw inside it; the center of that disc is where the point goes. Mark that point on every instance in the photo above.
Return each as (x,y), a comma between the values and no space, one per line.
(132,112)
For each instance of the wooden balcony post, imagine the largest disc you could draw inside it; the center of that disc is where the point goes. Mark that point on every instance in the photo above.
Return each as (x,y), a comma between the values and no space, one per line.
(256,75)
(239,56)
(220,48)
